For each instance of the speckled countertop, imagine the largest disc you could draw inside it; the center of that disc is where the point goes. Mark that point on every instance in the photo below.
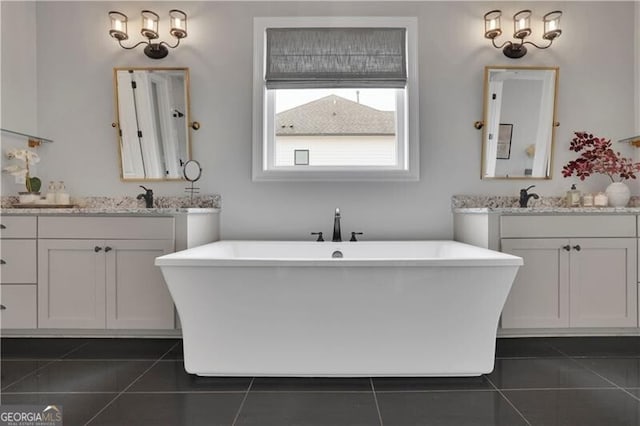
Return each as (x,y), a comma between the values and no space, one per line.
(164,206)
(482,204)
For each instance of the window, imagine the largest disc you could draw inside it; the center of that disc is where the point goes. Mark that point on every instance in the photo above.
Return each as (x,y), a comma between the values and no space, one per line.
(335,99)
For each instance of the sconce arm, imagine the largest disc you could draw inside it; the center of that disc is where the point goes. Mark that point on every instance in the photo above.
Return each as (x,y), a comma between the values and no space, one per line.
(134,46)
(168,45)
(506,43)
(539,47)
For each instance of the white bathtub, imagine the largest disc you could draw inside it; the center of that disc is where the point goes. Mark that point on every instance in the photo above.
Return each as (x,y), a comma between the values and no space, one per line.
(396,308)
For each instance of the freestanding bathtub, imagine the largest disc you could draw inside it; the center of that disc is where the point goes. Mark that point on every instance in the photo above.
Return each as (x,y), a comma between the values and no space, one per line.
(392,308)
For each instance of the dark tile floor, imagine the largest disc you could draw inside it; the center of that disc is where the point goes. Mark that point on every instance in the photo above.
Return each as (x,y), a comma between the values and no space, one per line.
(537,382)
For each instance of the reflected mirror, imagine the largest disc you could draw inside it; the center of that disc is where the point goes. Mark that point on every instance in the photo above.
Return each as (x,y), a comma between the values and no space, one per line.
(519,122)
(152,113)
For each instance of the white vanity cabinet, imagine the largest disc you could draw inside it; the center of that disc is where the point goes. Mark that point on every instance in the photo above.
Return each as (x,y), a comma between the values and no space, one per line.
(18,279)
(98,272)
(579,271)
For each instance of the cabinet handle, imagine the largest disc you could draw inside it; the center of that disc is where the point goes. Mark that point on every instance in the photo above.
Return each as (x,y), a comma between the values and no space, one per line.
(107,249)
(97,249)
(566,248)
(2,307)
(577,247)
(3,262)
(2,226)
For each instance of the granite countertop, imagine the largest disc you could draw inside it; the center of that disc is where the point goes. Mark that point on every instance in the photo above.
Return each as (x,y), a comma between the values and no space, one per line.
(164,206)
(480,204)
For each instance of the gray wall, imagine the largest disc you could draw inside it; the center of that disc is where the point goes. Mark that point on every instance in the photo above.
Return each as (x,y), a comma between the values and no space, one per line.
(75,106)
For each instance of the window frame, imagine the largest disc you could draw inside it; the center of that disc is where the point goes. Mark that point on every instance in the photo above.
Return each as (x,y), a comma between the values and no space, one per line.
(263,162)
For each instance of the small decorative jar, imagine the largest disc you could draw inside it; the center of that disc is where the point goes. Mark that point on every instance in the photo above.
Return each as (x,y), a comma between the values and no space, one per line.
(51,193)
(587,200)
(600,200)
(62,196)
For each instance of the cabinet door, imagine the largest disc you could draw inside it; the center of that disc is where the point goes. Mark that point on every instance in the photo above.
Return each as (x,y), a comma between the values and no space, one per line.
(71,288)
(539,297)
(137,296)
(603,284)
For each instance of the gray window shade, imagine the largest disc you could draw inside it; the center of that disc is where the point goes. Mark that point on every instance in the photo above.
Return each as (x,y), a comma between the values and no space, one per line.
(335,57)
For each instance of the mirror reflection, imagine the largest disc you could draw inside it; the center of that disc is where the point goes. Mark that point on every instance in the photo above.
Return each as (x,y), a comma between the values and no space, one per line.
(519,117)
(152,107)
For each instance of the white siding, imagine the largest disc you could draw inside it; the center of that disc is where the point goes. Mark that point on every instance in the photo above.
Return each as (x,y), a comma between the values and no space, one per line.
(338,150)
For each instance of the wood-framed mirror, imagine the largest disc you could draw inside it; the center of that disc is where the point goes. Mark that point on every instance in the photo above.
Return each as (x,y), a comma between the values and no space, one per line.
(153,121)
(519,122)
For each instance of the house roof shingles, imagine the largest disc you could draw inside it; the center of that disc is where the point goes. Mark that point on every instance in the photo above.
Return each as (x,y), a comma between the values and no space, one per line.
(334,115)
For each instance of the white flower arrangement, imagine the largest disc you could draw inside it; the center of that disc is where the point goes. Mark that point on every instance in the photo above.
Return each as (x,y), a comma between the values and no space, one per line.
(28,158)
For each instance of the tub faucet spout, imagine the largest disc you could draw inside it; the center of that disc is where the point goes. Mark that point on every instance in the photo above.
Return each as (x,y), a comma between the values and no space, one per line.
(337,236)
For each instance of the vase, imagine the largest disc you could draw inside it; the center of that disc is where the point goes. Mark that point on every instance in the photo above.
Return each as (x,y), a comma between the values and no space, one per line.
(618,194)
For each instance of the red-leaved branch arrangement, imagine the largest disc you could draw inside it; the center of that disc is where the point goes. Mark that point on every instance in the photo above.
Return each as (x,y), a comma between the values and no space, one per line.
(597,156)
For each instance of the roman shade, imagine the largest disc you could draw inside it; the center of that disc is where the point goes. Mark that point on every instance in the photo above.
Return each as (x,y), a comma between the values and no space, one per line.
(336,57)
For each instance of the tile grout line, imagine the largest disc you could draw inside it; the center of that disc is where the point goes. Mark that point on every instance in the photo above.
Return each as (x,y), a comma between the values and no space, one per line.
(4,388)
(130,384)
(75,350)
(246,395)
(586,367)
(44,366)
(508,400)
(375,399)
(557,350)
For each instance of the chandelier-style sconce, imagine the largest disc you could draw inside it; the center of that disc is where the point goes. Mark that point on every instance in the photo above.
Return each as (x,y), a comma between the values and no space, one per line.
(521,30)
(178,20)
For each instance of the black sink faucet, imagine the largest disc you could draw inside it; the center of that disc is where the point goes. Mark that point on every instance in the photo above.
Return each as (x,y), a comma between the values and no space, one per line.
(337,236)
(524,196)
(148,197)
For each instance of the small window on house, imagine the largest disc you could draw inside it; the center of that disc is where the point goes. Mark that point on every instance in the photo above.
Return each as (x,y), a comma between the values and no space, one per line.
(344,94)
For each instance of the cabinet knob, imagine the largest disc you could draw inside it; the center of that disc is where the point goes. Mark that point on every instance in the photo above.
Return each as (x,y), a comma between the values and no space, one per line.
(2,226)
(566,248)
(3,262)
(107,249)
(97,249)
(577,247)
(2,307)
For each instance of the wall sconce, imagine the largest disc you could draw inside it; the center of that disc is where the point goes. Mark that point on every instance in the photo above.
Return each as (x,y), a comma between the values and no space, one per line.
(521,30)
(178,20)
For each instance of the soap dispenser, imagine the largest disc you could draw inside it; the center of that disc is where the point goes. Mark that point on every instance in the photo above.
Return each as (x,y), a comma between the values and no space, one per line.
(573,197)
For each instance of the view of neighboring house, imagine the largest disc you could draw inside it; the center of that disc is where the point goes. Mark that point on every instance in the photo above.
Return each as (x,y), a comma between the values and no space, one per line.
(336,132)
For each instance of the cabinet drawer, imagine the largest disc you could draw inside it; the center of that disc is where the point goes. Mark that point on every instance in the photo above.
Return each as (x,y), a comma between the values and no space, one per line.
(18,306)
(18,226)
(140,228)
(18,264)
(568,226)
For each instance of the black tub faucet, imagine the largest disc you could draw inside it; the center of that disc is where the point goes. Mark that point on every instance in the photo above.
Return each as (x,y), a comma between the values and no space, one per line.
(148,197)
(337,236)
(524,196)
